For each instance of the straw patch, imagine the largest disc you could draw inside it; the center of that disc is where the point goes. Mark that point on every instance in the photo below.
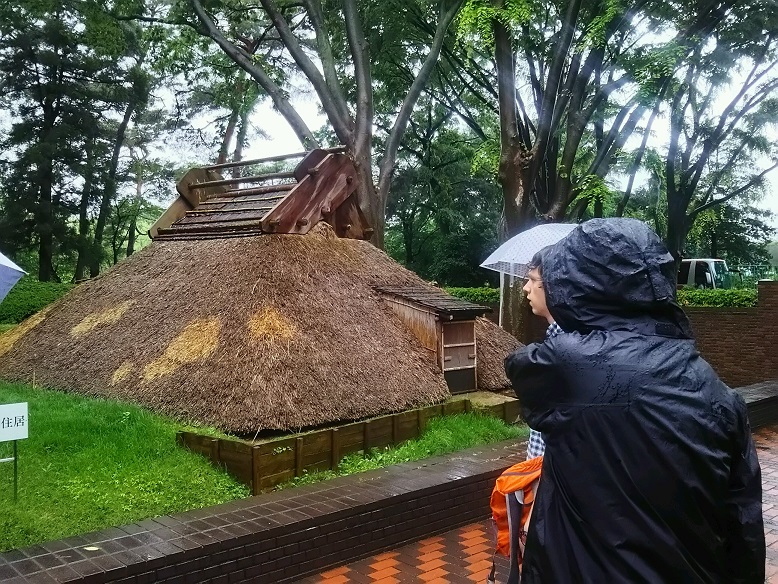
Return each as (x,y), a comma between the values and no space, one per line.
(198,340)
(108,316)
(8,339)
(269,326)
(122,372)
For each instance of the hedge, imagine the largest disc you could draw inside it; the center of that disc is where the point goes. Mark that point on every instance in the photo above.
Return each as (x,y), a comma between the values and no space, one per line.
(28,297)
(735,298)
(478,295)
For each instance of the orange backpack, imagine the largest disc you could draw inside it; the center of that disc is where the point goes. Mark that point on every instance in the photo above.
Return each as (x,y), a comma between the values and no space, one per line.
(512,499)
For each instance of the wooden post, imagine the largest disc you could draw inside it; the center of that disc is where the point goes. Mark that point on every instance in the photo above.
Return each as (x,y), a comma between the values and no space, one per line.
(335,441)
(366,438)
(216,451)
(256,478)
(468,406)
(298,457)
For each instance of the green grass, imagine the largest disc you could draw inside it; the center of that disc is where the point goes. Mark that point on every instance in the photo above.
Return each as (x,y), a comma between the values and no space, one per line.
(6,327)
(91,463)
(442,435)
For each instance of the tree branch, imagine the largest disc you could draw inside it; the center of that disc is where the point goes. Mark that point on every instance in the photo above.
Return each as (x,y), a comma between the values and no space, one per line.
(334,106)
(552,89)
(754,180)
(390,153)
(362,76)
(280,101)
(622,204)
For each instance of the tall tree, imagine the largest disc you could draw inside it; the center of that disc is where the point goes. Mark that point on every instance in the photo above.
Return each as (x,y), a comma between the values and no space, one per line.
(333,47)
(574,80)
(735,231)
(61,61)
(723,113)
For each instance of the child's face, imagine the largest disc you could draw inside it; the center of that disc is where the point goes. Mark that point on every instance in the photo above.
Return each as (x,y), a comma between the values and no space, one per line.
(536,294)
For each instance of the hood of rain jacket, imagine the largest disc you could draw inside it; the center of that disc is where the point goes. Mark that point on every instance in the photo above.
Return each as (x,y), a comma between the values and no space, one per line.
(650,471)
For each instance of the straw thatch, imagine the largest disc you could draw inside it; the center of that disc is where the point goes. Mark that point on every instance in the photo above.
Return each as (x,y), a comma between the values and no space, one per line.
(246,334)
(493,344)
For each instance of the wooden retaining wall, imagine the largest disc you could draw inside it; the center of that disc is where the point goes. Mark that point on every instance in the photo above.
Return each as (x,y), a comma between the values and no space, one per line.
(263,466)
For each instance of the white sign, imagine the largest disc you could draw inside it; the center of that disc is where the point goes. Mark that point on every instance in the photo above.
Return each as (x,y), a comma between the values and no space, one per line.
(13,422)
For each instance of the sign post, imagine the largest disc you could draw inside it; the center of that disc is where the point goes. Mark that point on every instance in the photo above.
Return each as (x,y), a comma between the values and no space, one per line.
(13,427)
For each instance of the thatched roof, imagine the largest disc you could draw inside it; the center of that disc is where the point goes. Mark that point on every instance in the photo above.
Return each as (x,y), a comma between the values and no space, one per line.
(246,334)
(493,344)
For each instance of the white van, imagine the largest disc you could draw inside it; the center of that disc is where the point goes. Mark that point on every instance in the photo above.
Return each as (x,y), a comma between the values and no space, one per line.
(704,273)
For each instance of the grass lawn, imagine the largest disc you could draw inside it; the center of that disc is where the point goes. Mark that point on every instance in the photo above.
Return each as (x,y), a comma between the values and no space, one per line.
(6,327)
(441,436)
(91,463)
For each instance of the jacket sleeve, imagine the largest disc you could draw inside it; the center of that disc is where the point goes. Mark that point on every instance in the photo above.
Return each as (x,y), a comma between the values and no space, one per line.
(537,379)
(745,540)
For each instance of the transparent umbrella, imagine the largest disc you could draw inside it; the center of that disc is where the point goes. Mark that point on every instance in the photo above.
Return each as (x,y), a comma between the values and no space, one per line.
(9,275)
(513,257)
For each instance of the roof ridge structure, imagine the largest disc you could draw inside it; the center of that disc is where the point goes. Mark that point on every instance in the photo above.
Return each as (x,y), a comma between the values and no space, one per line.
(322,187)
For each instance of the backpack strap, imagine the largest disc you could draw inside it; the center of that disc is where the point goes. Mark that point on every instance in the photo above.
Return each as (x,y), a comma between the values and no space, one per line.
(514,503)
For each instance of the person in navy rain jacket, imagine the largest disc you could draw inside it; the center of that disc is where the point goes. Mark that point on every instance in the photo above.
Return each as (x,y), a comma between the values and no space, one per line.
(650,471)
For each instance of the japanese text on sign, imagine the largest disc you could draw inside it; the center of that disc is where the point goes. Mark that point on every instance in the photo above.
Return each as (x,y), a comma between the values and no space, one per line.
(13,422)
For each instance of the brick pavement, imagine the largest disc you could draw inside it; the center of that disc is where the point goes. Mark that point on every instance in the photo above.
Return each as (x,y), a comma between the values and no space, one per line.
(463,556)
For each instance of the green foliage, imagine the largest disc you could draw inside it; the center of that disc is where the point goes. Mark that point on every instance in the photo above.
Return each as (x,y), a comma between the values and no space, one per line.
(596,32)
(735,231)
(736,298)
(441,215)
(28,297)
(476,16)
(487,157)
(442,435)
(90,464)
(478,295)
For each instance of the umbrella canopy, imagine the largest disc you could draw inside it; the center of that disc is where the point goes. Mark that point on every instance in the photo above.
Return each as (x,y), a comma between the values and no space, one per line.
(513,256)
(9,275)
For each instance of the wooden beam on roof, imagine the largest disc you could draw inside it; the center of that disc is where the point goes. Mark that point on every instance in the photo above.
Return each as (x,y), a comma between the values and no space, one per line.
(349,221)
(276,158)
(257,190)
(187,186)
(178,209)
(326,188)
(242,179)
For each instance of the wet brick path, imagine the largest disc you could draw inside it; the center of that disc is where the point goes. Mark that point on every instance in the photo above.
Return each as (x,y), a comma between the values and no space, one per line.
(464,555)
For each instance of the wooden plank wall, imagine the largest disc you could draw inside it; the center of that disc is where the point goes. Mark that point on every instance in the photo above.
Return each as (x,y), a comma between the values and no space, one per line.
(421,321)
(263,466)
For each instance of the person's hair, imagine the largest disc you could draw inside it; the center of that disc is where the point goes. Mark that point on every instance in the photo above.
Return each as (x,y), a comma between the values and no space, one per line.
(536,263)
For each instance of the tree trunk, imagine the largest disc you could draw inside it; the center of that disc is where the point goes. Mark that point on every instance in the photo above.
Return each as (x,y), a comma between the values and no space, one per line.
(44,215)
(676,228)
(109,193)
(229,131)
(45,225)
(514,161)
(714,244)
(84,245)
(132,231)
(407,225)
(240,140)
(369,201)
